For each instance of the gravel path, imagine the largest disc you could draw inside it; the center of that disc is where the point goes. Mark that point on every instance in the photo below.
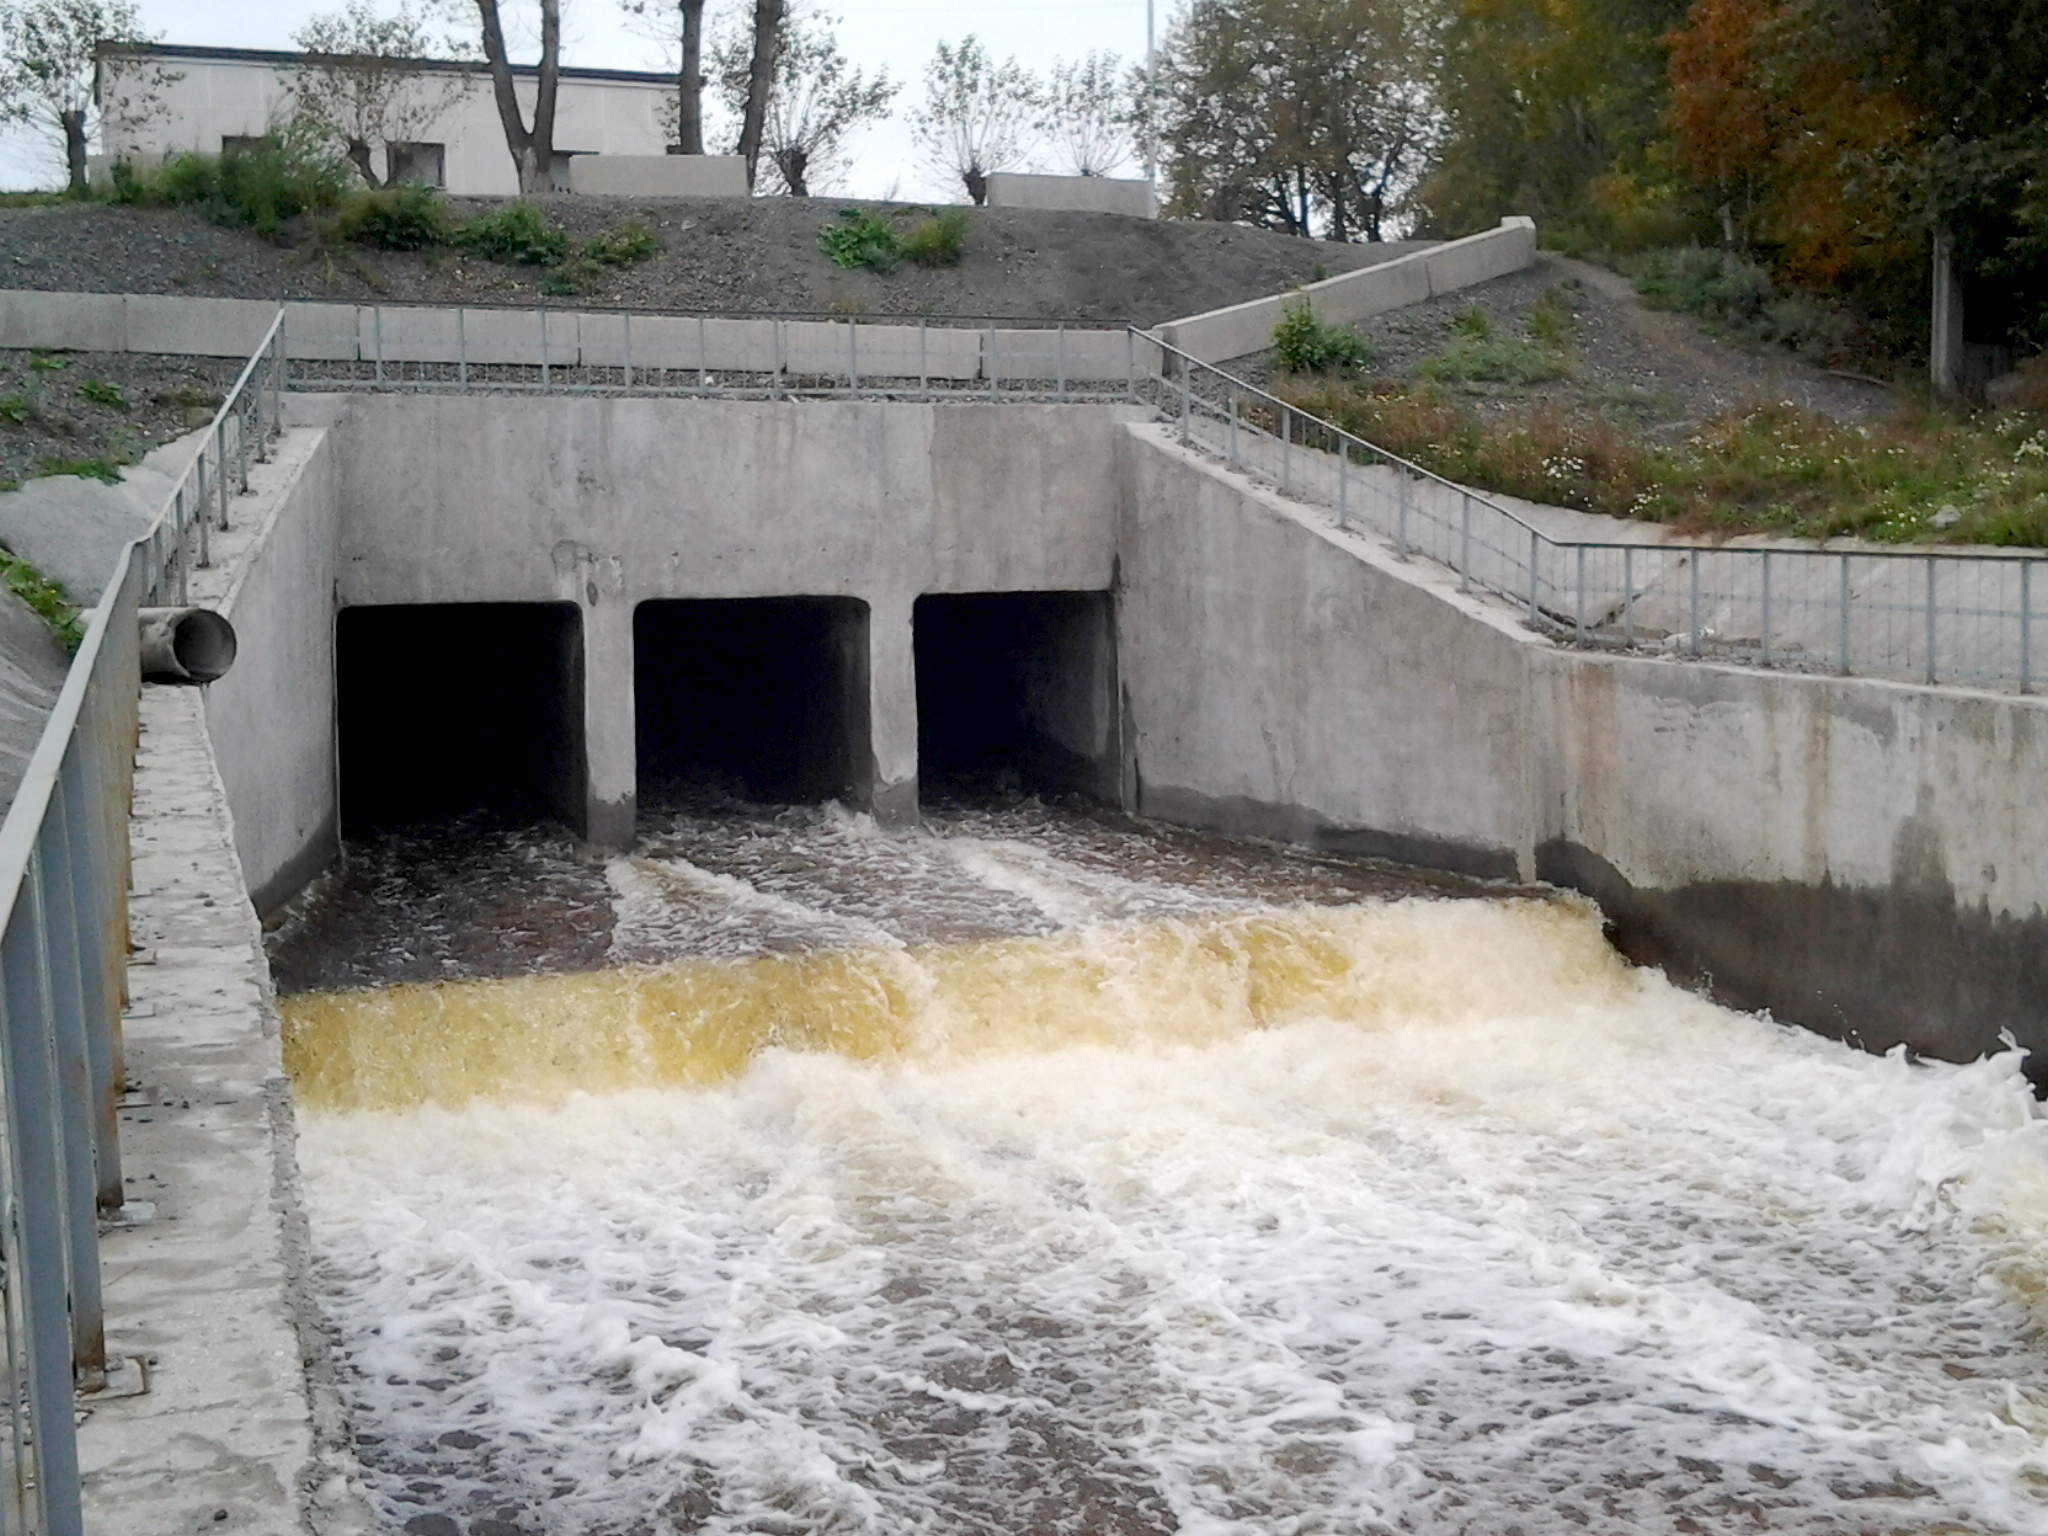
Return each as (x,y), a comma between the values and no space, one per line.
(719,255)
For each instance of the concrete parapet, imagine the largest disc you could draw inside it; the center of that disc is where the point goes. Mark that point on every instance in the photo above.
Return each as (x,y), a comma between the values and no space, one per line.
(190,327)
(412,335)
(1238,330)
(1052,354)
(77,322)
(1076,194)
(658,175)
(320,332)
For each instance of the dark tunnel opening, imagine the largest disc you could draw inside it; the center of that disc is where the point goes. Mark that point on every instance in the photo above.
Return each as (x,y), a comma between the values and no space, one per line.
(1017,690)
(766,697)
(446,709)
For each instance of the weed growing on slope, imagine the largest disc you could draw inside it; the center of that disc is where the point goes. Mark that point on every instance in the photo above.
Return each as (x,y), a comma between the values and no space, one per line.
(45,597)
(101,393)
(861,239)
(408,218)
(1767,469)
(938,240)
(520,234)
(101,468)
(1305,343)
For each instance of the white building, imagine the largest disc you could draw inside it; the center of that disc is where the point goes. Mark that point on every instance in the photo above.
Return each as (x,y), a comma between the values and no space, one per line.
(218,96)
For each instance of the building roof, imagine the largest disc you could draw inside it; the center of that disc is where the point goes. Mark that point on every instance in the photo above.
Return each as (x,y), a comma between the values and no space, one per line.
(280,59)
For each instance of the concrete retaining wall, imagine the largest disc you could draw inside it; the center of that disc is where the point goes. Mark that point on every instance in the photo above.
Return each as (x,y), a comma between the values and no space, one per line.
(1078,194)
(1242,329)
(272,717)
(1865,858)
(658,175)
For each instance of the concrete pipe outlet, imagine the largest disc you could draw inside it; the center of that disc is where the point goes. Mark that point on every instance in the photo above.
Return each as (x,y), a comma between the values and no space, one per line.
(185,645)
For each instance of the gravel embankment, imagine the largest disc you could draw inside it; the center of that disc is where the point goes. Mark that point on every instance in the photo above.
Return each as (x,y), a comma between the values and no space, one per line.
(80,407)
(719,255)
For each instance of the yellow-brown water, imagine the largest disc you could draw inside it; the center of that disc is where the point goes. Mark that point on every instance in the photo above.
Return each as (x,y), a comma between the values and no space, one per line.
(1049,1176)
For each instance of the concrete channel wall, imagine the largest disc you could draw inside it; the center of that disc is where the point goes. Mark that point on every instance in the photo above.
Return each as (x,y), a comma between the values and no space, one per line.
(272,716)
(1864,857)
(1869,859)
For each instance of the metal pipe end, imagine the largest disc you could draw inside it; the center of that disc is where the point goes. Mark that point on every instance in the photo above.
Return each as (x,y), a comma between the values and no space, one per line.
(185,645)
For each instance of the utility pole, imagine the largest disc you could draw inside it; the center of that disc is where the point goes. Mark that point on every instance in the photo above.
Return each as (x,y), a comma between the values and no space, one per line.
(1151,101)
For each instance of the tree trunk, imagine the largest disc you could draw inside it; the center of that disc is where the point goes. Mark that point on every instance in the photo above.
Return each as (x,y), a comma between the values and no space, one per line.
(532,149)
(977,185)
(690,81)
(760,80)
(794,163)
(73,121)
(359,157)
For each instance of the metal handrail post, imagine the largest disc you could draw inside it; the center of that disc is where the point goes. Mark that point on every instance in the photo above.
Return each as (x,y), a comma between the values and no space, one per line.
(199,516)
(1286,450)
(40,1238)
(853,357)
(1233,425)
(1764,624)
(778,360)
(1400,510)
(1465,554)
(1930,559)
(1187,404)
(65,941)
(1694,563)
(462,349)
(924,367)
(544,378)
(1628,596)
(703,357)
(993,368)
(220,457)
(1062,345)
(1131,364)
(1535,579)
(1579,608)
(2026,626)
(1343,482)
(1844,605)
(626,345)
(377,340)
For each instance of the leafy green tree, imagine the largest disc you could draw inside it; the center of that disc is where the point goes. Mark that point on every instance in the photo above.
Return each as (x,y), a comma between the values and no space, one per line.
(53,55)
(815,100)
(978,116)
(1309,116)
(361,83)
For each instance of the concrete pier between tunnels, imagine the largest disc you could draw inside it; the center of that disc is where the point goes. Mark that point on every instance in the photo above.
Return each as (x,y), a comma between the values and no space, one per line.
(449,708)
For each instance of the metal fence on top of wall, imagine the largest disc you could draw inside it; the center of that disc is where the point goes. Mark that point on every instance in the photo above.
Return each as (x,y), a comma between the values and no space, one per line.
(1959,616)
(63,973)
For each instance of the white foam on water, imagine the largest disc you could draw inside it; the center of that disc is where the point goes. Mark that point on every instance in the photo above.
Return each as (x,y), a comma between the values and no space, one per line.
(1534,1242)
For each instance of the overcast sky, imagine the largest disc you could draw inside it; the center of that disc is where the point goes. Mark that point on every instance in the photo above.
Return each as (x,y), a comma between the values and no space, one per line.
(894,34)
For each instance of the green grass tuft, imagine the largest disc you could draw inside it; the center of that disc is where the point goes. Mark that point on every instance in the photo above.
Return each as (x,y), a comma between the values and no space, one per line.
(519,234)
(937,241)
(407,218)
(100,467)
(64,617)
(861,239)
(102,393)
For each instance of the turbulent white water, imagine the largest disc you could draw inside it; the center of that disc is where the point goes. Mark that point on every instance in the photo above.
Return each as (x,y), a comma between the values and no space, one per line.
(1511,1237)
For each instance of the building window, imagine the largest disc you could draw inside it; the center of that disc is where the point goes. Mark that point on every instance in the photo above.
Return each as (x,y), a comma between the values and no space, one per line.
(241,143)
(425,164)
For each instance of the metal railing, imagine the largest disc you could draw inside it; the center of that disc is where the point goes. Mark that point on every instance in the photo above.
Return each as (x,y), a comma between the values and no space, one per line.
(543,350)
(1914,615)
(239,435)
(64,875)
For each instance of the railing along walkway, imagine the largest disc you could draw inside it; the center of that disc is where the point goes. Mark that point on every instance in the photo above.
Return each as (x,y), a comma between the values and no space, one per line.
(1913,615)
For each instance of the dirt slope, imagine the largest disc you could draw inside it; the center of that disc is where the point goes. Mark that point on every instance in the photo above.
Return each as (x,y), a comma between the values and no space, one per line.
(722,256)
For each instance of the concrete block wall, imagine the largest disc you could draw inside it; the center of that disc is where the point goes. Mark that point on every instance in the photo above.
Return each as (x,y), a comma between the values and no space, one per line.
(658,176)
(1242,329)
(1079,194)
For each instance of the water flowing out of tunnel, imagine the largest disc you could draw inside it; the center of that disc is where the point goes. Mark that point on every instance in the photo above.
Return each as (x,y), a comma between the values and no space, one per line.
(1047,1172)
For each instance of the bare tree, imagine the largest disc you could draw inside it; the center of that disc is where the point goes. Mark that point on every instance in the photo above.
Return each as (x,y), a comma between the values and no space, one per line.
(362,84)
(978,117)
(815,100)
(760,81)
(686,33)
(532,145)
(54,71)
(1091,114)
